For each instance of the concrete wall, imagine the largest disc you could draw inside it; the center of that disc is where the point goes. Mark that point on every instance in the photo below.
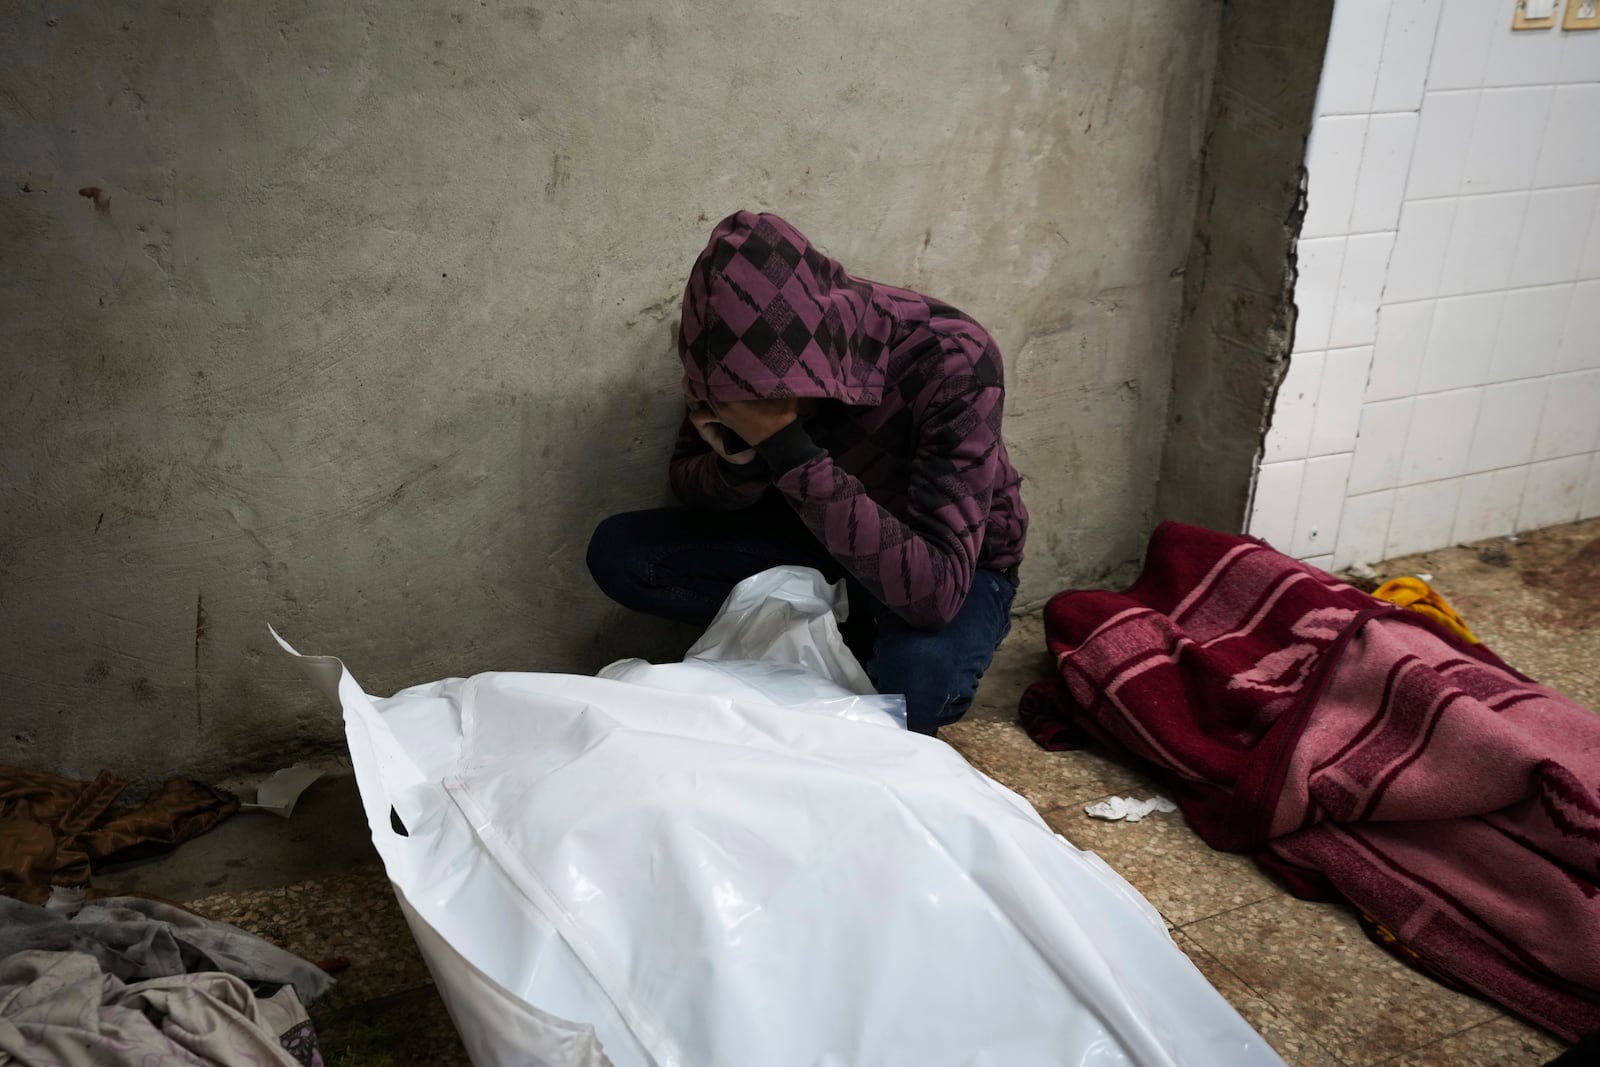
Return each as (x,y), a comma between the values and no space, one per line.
(1238,310)
(1445,385)
(368,323)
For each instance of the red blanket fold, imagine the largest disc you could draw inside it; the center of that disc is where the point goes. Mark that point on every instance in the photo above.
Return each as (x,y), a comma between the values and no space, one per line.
(1355,746)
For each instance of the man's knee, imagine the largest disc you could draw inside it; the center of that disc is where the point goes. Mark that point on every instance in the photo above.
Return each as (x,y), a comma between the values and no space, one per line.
(937,682)
(614,551)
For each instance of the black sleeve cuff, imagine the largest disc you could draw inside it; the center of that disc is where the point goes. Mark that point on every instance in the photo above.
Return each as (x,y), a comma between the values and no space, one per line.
(739,473)
(788,449)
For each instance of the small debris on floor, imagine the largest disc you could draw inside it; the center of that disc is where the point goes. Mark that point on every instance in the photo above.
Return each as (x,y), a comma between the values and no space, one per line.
(1127,809)
(1363,578)
(1494,555)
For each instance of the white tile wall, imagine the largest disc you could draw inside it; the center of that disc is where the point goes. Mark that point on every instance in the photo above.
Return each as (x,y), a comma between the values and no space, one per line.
(1381,445)
(1403,331)
(1580,333)
(1277,499)
(1506,129)
(1571,422)
(1461,47)
(1591,490)
(1385,160)
(1570,152)
(1442,426)
(1361,276)
(1522,58)
(1445,379)
(1316,288)
(1420,512)
(1529,334)
(1461,343)
(1321,500)
(1580,57)
(1419,250)
(1443,137)
(1334,155)
(1590,267)
(1364,528)
(1294,413)
(1338,414)
(1403,69)
(1550,246)
(1507,426)
(1489,504)
(1554,493)
(1482,237)
(1350,69)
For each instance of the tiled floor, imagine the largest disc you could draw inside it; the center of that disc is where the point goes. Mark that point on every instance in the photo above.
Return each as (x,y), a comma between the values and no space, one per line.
(1303,974)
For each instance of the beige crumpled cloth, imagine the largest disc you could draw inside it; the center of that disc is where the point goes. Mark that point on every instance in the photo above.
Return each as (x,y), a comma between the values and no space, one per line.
(59,1009)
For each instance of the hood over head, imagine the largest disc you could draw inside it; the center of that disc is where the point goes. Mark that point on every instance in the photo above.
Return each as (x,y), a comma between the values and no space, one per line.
(765,315)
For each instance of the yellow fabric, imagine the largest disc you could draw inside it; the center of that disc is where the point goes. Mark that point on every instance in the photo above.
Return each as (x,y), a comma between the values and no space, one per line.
(1414,593)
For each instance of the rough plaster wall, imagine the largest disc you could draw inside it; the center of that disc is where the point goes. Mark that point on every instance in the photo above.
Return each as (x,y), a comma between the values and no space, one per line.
(369,325)
(1238,313)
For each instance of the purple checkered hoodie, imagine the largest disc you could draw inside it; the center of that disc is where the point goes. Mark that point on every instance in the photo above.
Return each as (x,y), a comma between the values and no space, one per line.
(902,474)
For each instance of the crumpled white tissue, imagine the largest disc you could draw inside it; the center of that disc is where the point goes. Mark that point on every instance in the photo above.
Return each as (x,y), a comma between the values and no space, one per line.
(1128,809)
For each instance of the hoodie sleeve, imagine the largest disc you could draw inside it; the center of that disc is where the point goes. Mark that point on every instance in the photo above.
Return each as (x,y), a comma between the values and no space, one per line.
(921,568)
(702,479)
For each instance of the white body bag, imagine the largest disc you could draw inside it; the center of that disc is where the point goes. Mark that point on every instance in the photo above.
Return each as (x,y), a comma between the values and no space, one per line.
(744,860)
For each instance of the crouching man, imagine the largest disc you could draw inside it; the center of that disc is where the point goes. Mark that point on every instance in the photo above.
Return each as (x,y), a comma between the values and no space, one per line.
(840,424)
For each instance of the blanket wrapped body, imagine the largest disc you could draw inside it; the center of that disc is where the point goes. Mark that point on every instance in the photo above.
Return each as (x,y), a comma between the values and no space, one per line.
(1362,752)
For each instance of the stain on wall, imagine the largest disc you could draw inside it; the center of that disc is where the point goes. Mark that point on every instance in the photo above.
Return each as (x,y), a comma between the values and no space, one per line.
(366,322)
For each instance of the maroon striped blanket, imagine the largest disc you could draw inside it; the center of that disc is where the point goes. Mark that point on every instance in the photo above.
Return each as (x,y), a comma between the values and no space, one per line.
(1357,749)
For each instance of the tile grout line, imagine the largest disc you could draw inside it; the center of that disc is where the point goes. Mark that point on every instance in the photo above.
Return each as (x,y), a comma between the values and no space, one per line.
(1236,907)
(1442,1038)
(1496,192)
(1500,1012)
(1309,1036)
(1480,292)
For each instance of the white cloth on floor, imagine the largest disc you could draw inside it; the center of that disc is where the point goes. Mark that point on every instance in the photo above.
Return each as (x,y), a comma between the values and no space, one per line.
(1128,809)
(59,1009)
(137,939)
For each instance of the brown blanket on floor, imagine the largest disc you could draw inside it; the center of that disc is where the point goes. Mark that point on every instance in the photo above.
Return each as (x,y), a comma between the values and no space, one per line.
(53,829)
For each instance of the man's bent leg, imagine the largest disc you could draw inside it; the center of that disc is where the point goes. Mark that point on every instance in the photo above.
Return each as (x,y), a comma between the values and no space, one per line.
(681,564)
(939,672)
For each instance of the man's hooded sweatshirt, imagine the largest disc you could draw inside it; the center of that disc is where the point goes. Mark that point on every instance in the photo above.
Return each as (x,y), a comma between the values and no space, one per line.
(902,473)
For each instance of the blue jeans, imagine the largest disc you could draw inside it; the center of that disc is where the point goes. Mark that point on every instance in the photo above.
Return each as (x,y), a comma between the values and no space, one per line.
(681,564)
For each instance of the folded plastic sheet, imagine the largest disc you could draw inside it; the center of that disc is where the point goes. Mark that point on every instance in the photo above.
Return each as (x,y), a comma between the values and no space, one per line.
(744,859)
